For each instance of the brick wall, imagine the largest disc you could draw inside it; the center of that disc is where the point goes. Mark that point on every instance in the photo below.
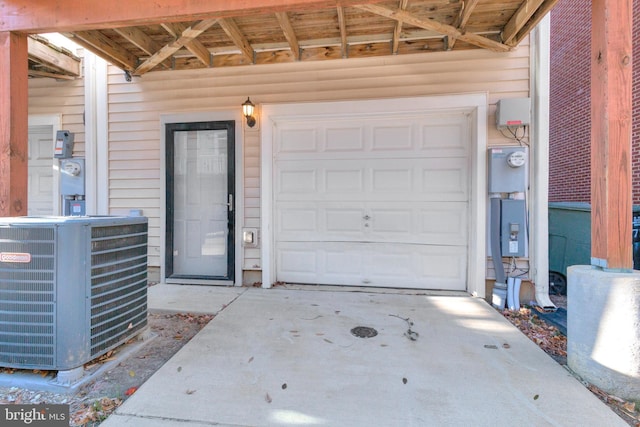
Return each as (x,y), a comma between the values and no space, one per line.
(570,102)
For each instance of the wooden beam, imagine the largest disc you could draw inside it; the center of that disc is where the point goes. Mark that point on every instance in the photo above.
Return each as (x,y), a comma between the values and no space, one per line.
(105,48)
(72,15)
(428,24)
(142,41)
(289,33)
(194,46)
(395,42)
(342,23)
(519,19)
(38,73)
(611,116)
(461,20)
(535,19)
(43,53)
(166,51)
(14,153)
(231,28)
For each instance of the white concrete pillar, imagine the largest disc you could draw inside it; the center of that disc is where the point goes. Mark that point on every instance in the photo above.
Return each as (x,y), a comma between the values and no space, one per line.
(603,329)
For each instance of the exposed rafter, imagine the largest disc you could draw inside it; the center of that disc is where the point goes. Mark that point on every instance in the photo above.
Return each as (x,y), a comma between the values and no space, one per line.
(141,40)
(289,33)
(188,35)
(106,48)
(428,24)
(519,19)
(461,20)
(229,26)
(194,46)
(342,23)
(398,29)
(535,19)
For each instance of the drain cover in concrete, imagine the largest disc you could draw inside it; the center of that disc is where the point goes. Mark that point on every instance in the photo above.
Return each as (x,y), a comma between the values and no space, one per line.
(364,332)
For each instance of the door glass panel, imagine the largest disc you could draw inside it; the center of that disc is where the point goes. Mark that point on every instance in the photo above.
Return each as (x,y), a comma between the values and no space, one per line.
(200,192)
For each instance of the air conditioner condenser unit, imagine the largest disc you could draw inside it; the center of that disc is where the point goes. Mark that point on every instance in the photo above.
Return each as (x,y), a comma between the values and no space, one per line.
(71,288)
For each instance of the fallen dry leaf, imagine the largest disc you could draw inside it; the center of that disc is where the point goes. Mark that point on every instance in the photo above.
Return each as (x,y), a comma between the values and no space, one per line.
(130,391)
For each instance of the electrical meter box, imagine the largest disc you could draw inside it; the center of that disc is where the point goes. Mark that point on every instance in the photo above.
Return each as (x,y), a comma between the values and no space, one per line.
(63,148)
(507,169)
(513,112)
(72,177)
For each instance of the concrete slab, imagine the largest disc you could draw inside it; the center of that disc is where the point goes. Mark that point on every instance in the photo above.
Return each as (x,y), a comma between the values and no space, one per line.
(287,357)
(195,299)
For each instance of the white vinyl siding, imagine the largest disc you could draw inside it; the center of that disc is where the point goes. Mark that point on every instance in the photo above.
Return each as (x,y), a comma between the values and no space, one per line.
(135,108)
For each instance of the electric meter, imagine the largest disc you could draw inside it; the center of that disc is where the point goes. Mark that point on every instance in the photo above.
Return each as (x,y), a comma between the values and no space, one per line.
(72,168)
(516,159)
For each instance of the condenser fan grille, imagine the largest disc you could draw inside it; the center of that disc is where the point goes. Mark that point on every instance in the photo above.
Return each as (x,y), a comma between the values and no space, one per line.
(118,284)
(27,297)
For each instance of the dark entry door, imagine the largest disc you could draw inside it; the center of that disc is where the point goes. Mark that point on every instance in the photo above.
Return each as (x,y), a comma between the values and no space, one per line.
(200,200)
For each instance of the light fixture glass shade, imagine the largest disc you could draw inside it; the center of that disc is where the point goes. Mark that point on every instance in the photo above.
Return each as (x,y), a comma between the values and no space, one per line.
(248,108)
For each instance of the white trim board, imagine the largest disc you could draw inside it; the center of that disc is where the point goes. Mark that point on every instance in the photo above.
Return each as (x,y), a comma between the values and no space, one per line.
(475,103)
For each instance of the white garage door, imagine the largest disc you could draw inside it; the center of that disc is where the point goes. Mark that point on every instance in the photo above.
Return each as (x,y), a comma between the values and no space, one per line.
(377,200)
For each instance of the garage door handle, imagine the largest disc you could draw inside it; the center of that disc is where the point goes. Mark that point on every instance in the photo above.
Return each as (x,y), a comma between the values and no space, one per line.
(366,217)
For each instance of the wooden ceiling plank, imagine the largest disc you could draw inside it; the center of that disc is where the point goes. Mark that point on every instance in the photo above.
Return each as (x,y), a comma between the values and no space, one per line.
(231,28)
(104,47)
(342,23)
(289,33)
(41,52)
(430,24)
(519,19)
(194,46)
(398,28)
(462,19)
(535,19)
(166,51)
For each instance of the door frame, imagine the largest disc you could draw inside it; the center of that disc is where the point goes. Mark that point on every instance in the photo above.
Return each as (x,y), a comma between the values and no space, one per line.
(55,122)
(475,103)
(209,116)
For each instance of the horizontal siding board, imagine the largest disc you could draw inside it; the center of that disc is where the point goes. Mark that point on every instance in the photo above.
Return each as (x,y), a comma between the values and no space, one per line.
(135,108)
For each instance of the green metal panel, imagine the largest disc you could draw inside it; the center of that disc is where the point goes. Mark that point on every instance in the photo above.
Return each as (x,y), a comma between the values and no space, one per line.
(570,235)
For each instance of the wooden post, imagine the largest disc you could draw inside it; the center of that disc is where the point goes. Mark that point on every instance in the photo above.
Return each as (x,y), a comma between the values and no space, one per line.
(611,81)
(13,124)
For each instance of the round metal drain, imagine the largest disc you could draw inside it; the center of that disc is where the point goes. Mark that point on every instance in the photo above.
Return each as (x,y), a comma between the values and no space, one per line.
(364,332)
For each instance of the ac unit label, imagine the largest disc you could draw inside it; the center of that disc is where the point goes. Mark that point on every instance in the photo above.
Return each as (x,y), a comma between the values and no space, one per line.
(15,257)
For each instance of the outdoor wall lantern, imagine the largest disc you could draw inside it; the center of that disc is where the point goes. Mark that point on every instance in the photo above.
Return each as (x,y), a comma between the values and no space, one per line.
(247,109)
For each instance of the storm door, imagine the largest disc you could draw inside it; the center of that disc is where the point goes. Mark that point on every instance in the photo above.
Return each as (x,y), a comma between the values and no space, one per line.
(200,201)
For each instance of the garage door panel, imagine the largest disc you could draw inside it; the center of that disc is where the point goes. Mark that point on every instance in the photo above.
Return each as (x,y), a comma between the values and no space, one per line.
(296,141)
(371,264)
(410,222)
(376,199)
(443,135)
(373,179)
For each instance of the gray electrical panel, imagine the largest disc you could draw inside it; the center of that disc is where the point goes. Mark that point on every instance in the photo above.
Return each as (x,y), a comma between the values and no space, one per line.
(63,148)
(507,169)
(513,227)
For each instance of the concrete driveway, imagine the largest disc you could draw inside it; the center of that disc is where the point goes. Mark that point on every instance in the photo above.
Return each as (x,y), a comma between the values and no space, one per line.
(287,357)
